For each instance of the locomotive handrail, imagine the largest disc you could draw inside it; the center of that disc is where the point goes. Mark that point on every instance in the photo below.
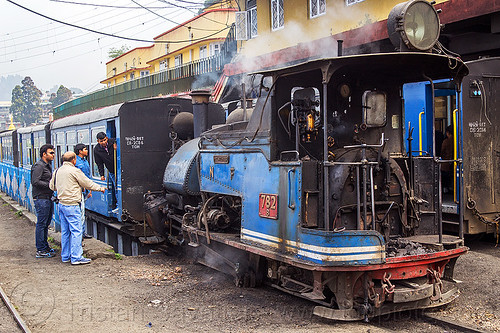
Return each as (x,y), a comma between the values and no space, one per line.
(290,204)
(364,145)
(420,132)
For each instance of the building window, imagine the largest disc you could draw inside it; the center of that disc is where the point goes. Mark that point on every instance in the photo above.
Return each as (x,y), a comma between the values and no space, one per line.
(317,8)
(163,65)
(133,63)
(178,60)
(124,77)
(114,71)
(252,18)
(352,2)
(125,67)
(241,25)
(277,15)
(203,52)
(132,76)
(144,73)
(166,48)
(214,48)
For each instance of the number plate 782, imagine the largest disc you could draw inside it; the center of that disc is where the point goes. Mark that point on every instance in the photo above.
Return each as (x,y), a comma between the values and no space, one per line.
(268,206)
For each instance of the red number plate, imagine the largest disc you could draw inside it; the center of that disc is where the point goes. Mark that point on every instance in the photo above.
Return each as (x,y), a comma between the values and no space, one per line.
(268,206)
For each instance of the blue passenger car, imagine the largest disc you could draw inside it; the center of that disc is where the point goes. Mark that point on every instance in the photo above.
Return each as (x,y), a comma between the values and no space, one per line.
(30,139)
(9,164)
(83,128)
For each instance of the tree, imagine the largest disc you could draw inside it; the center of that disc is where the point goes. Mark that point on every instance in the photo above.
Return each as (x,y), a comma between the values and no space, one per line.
(63,95)
(116,52)
(26,102)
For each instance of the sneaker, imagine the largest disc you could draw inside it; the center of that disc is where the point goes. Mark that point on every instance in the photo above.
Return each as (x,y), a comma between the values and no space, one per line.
(65,261)
(44,254)
(87,236)
(82,261)
(52,250)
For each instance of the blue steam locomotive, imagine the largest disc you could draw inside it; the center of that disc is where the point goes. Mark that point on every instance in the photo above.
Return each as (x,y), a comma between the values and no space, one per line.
(313,190)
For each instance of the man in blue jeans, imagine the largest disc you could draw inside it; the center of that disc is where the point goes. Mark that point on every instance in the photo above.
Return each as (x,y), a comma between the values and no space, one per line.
(68,181)
(41,173)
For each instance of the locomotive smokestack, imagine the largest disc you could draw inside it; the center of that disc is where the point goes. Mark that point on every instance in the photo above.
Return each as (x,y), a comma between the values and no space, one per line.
(200,110)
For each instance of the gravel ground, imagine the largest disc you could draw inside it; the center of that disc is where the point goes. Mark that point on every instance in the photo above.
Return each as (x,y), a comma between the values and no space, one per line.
(161,292)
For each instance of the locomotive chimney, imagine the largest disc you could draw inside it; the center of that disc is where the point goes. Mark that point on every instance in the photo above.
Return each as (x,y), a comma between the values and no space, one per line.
(200,110)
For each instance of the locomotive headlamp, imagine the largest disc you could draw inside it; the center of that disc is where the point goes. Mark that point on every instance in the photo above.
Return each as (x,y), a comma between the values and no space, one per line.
(414,25)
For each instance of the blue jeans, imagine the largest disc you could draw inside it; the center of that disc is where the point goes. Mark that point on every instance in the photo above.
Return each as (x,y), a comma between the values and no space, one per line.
(44,209)
(82,208)
(71,232)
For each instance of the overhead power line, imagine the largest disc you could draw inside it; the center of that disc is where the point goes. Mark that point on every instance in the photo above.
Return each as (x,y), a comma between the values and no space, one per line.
(112,35)
(169,20)
(106,6)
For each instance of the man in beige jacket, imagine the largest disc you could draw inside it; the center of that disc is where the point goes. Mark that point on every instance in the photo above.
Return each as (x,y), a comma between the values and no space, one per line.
(68,181)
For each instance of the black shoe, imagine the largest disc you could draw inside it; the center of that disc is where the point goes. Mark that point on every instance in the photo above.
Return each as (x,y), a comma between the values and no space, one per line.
(87,236)
(43,254)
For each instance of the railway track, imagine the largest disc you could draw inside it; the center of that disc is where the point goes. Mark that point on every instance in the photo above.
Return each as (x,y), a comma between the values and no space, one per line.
(17,324)
(433,319)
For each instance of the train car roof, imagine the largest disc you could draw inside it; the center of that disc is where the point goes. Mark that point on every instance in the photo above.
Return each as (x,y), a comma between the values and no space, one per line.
(407,66)
(87,117)
(6,133)
(31,129)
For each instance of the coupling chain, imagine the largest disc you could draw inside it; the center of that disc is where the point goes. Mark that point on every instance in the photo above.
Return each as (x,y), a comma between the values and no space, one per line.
(435,277)
(471,204)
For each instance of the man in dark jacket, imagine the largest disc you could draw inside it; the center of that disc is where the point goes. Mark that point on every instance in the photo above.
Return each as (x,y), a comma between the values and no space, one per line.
(41,173)
(104,156)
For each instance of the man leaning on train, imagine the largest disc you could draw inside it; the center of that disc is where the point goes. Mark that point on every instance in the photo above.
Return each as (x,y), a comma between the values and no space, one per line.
(104,156)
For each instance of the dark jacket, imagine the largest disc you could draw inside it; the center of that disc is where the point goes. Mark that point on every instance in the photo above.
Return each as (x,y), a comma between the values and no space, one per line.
(41,173)
(105,158)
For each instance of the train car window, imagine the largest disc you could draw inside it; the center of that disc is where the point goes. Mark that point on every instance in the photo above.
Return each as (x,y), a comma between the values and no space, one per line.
(60,138)
(71,138)
(36,147)
(374,108)
(83,137)
(93,138)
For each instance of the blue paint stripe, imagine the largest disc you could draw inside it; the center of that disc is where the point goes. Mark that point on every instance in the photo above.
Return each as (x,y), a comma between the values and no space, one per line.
(316,252)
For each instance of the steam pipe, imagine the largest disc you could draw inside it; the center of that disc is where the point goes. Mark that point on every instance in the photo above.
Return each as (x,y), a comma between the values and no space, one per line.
(326,188)
(200,110)
(372,194)
(244,101)
(358,201)
(365,180)
(339,48)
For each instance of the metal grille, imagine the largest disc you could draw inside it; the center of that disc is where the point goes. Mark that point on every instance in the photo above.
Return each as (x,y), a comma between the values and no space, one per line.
(241,26)
(352,2)
(253,22)
(277,15)
(318,7)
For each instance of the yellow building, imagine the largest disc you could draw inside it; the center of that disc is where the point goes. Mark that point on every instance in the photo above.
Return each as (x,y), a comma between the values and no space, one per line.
(180,48)
(128,66)
(273,32)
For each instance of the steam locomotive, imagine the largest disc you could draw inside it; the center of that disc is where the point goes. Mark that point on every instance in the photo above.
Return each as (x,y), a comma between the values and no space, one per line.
(313,190)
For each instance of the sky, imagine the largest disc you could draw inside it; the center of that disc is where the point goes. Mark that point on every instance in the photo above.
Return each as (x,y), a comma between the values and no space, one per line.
(52,53)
